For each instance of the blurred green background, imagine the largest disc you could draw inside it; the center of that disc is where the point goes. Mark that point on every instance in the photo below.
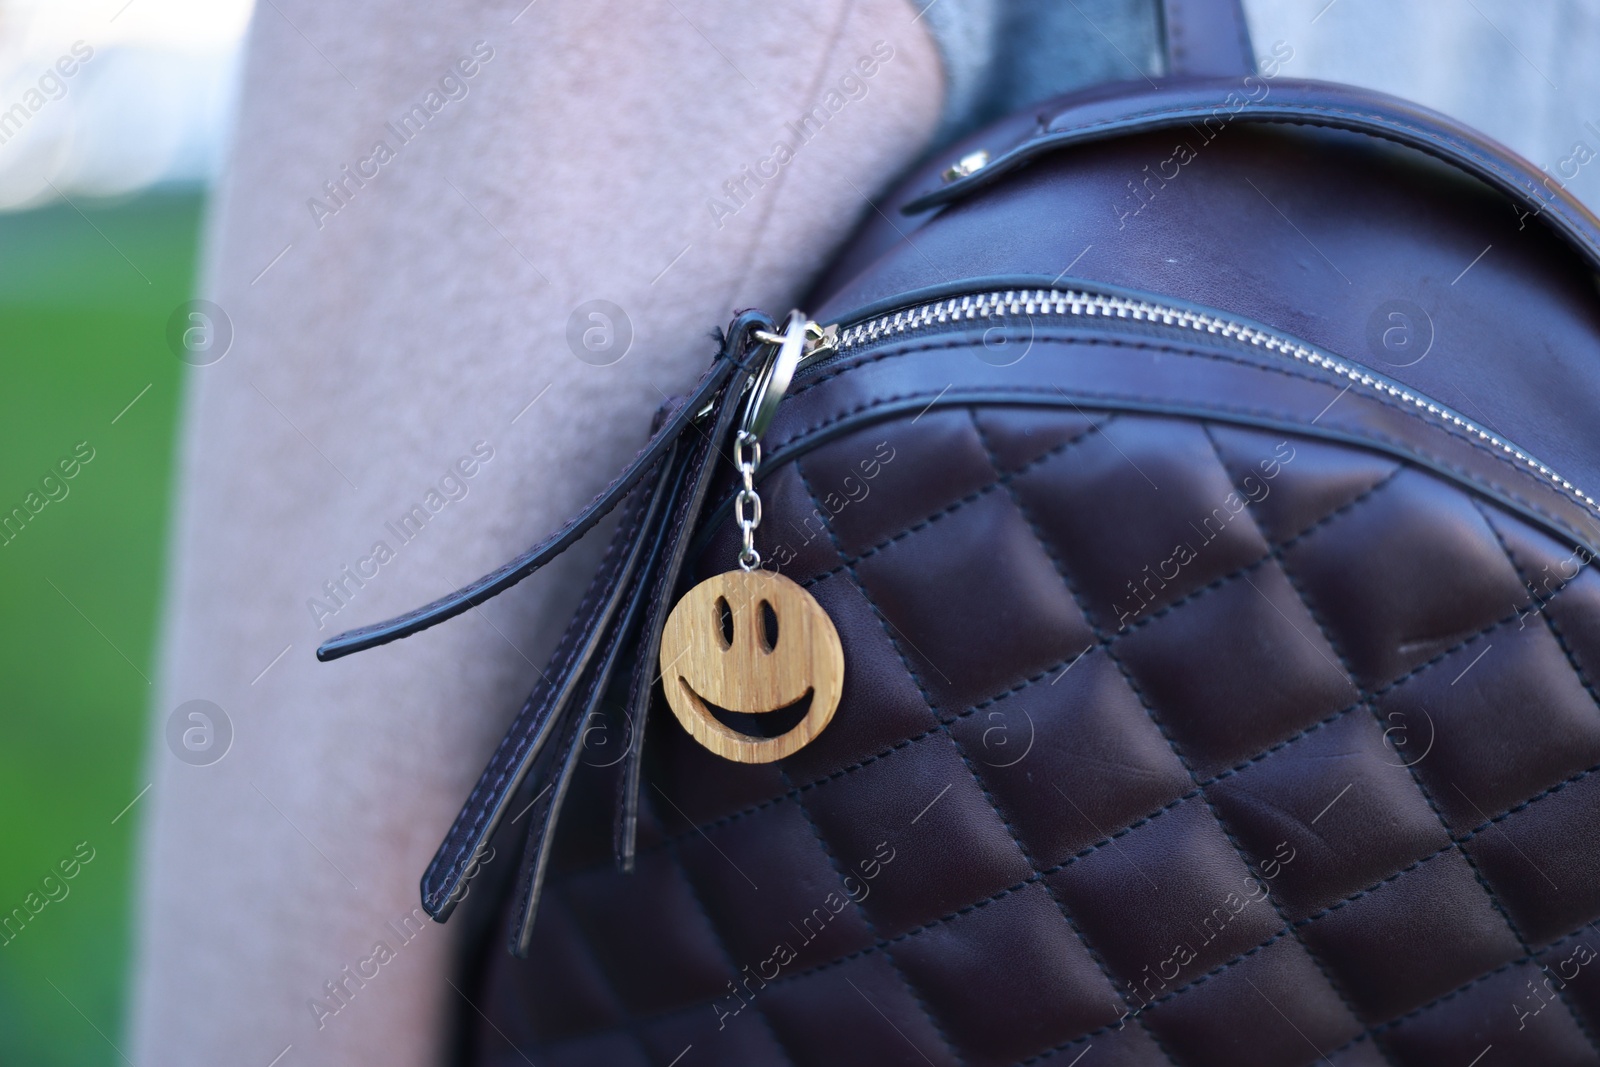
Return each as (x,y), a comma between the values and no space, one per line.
(84,301)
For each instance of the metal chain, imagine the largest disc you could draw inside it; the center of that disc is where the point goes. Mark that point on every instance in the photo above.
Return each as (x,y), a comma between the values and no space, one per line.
(747,457)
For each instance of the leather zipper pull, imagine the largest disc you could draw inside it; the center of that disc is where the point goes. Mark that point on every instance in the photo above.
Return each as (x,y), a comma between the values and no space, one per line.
(544,713)
(669,574)
(680,525)
(654,529)
(552,775)
(513,571)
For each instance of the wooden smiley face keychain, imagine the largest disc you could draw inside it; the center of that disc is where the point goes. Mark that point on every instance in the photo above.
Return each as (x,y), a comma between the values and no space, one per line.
(753,641)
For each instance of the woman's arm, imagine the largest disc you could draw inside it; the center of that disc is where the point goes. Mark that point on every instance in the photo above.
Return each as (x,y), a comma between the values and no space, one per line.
(423,202)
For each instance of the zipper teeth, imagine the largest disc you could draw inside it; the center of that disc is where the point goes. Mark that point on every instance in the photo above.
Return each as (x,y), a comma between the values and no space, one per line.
(1077,303)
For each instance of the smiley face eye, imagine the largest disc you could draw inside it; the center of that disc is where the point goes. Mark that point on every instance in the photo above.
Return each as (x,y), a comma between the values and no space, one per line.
(769,627)
(724,622)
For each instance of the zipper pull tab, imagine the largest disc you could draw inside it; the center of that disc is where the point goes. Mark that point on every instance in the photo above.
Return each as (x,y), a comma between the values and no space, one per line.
(801,341)
(747,672)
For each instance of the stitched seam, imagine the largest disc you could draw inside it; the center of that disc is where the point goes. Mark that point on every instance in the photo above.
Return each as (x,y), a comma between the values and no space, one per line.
(970,498)
(1421,140)
(1117,986)
(1145,620)
(1334,982)
(1549,619)
(1365,1035)
(1555,631)
(918,738)
(884,622)
(1371,704)
(1172,743)
(944,725)
(510,757)
(1196,352)
(705,913)
(872,927)
(640,694)
(1384,1027)
(968,909)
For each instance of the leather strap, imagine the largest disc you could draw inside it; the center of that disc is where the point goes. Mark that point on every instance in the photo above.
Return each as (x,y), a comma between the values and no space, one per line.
(619,641)
(1203,108)
(1206,38)
(513,571)
(558,763)
(543,713)
(668,575)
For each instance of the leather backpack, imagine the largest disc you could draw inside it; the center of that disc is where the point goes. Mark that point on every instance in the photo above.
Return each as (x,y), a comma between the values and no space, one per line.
(1194,475)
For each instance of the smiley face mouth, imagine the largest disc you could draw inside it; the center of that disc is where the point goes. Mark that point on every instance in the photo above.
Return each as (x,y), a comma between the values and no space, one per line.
(754,725)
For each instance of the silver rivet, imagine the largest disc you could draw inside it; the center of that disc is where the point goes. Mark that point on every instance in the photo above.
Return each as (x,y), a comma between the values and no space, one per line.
(967,165)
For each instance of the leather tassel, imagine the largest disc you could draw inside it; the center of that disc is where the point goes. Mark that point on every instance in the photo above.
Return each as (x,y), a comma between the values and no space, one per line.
(513,571)
(631,595)
(668,576)
(552,774)
(544,713)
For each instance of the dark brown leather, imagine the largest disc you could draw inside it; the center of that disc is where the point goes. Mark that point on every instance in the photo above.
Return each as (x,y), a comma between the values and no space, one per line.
(1310,231)
(1203,705)
(1372,687)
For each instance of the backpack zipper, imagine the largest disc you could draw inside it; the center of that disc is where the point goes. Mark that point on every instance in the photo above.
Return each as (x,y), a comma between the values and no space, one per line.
(1081,304)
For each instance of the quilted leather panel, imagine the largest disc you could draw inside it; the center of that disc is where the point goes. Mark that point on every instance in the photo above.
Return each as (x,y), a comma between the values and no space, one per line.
(1320,787)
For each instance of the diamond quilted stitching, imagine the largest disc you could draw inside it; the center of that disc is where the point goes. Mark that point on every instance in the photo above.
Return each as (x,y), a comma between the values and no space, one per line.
(1413,938)
(793,538)
(968,631)
(1107,763)
(1356,486)
(950,848)
(1296,481)
(1574,621)
(1488,1015)
(1343,806)
(1545,566)
(741,975)
(1405,575)
(1480,760)
(1237,669)
(1016,437)
(1571,966)
(1124,1046)
(1167,901)
(1547,875)
(1295,1016)
(1144,514)
(880,704)
(945,463)
(1240,855)
(954,966)
(782,891)
(841,1015)
(854,881)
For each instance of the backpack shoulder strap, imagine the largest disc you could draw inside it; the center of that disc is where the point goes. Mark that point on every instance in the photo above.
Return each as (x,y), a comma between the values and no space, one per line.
(1204,108)
(1206,39)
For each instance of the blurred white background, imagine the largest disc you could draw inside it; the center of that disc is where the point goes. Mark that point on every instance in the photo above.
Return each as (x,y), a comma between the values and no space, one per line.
(149,106)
